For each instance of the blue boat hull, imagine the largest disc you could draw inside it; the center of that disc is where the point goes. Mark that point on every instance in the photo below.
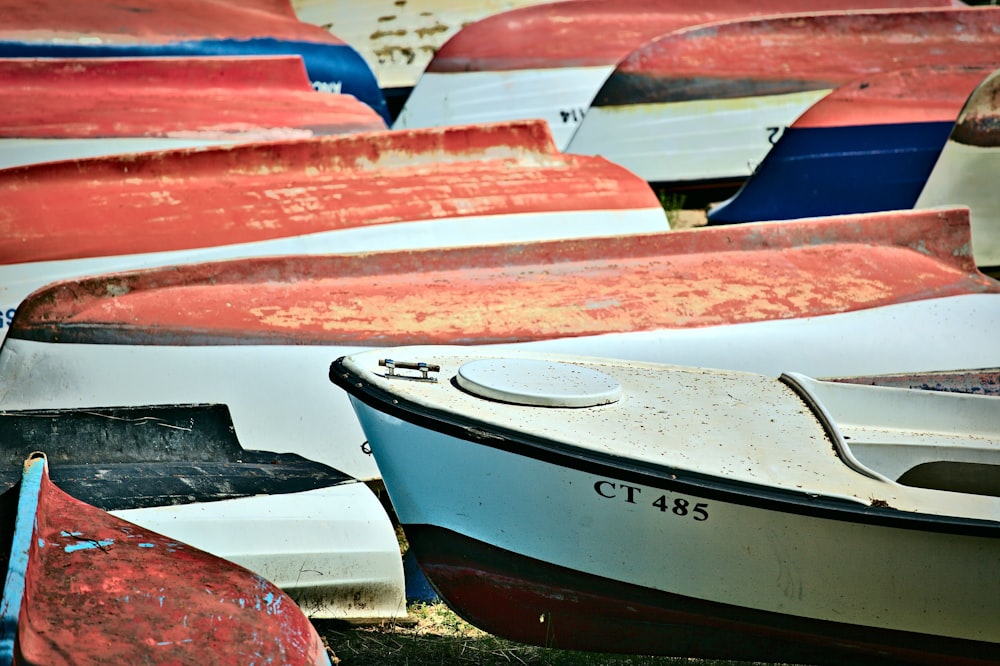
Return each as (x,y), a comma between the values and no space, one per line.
(819,171)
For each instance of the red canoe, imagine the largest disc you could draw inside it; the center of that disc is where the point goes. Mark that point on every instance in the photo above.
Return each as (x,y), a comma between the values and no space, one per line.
(63,108)
(85,587)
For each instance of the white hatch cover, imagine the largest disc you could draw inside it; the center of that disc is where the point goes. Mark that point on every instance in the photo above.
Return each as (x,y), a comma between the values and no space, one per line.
(538,383)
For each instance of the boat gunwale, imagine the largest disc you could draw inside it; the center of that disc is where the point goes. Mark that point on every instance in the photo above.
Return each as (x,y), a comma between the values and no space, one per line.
(657,476)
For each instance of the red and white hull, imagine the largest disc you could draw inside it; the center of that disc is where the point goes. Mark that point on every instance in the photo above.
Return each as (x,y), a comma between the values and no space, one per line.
(856,295)
(694,513)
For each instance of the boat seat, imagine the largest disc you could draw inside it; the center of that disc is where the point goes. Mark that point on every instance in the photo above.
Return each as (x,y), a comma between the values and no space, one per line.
(918,438)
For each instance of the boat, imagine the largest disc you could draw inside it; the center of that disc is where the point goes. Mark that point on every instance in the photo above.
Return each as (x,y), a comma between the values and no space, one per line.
(105,28)
(869,145)
(398,39)
(346,193)
(69,108)
(322,537)
(550,60)
(840,296)
(966,171)
(694,114)
(84,587)
(609,505)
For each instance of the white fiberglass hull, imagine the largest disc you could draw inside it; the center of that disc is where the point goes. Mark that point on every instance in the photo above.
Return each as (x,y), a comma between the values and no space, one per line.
(280,400)
(686,504)
(560,96)
(333,550)
(701,140)
(968,175)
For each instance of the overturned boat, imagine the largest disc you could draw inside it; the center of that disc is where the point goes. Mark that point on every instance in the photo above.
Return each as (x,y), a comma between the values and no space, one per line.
(550,60)
(69,108)
(84,587)
(321,536)
(109,29)
(850,295)
(696,110)
(348,193)
(597,504)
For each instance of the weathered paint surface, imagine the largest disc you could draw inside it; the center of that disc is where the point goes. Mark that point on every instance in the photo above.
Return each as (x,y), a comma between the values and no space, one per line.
(512,293)
(152,20)
(398,39)
(779,55)
(100,590)
(580,33)
(918,94)
(105,28)
(175,200)
(251,97)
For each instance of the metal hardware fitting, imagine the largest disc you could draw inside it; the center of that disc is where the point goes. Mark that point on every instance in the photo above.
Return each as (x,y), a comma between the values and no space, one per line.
(424,368)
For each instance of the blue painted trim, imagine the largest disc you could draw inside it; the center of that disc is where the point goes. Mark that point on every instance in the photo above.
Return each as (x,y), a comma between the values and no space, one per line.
(329,66)
(24,529)
(817,171)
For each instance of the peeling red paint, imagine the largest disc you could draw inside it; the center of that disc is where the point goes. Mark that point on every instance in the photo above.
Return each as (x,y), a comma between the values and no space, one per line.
(805,52)
(519,292)
(269,97)
(921,94)
(153,21)
(174,200)
(588,33)
(101,590)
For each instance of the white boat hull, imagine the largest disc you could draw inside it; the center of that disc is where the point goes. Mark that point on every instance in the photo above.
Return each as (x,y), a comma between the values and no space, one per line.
(967,175)
(703,140)
(333,550)
(279,398)
(707,501)
(559,96)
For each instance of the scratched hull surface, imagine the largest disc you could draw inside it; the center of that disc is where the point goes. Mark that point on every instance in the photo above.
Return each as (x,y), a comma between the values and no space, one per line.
(85,587)
(701,105)
(736,480)
(549,61)
(869,145)
(359,192)
(734,297)
(397,39)
(966,170)
(57,109)
(51,29)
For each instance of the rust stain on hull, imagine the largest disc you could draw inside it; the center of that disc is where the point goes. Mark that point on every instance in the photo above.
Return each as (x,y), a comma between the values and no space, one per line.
(521,292)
